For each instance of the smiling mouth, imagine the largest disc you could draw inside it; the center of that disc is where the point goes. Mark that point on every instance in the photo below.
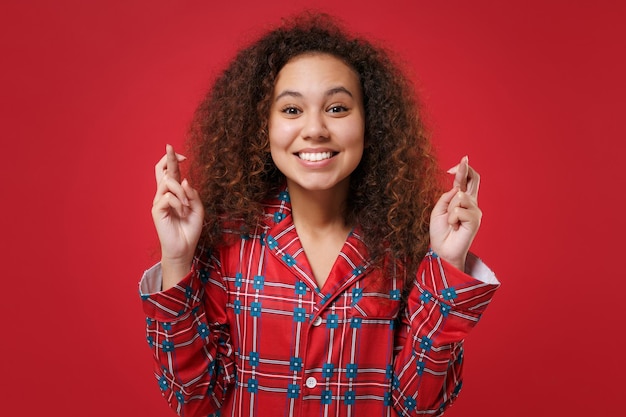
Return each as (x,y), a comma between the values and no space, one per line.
(315,156)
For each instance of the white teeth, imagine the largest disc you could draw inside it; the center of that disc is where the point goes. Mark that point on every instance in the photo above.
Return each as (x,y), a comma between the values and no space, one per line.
(314,157)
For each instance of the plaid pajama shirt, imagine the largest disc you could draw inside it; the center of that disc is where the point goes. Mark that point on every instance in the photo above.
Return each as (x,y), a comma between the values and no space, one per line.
(249,333)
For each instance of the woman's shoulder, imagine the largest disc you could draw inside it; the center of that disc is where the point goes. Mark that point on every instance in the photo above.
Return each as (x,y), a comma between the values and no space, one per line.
(274,210)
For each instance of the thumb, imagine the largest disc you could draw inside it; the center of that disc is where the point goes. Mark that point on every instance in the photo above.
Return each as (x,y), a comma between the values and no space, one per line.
(192,195)
(441,207)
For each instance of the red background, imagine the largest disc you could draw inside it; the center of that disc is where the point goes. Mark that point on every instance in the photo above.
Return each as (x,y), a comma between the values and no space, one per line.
(533,91)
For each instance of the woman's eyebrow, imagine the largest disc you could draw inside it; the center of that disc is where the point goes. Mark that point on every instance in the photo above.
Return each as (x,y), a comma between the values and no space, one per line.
(337,90)
(330,92)
(288,93)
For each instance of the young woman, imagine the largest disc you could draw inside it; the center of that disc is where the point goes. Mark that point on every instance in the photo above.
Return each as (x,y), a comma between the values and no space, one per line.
(312,265)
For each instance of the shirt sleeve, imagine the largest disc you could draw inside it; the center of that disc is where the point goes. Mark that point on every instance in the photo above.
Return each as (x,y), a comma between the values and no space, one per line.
(188,333)
(443,305)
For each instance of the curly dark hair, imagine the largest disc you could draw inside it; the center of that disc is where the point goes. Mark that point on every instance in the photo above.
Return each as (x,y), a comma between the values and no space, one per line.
(392,191)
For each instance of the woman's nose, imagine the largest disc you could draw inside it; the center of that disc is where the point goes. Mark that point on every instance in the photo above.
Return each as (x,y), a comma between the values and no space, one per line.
(314,127)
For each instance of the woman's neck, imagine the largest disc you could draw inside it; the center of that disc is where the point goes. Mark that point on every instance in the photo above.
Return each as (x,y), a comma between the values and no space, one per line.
(319,211)
(319,218)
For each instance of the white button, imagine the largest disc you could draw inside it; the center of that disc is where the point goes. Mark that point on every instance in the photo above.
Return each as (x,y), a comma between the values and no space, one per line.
(311,382)
(317,321)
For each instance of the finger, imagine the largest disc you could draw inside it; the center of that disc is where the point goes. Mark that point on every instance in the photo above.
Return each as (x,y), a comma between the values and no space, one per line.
(473,182)
(454,208)
(159,168)
(462,207)
(166,204)
(464,200)
(460,172)
(460,177)
(170,159)
(192,195)
(170,185)
(441,207)
(468,217)
(172,168)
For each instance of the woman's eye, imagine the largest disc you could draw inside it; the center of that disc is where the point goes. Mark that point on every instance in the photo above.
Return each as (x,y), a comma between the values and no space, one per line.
(337,109)
(292,111)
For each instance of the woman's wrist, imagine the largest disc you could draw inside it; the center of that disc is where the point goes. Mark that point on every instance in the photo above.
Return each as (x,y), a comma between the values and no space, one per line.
(173,272)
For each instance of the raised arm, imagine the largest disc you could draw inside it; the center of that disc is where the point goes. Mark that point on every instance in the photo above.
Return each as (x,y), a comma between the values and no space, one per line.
(184,299)
(450,292)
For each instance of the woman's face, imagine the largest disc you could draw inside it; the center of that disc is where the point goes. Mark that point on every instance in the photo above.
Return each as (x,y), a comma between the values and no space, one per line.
(317,123)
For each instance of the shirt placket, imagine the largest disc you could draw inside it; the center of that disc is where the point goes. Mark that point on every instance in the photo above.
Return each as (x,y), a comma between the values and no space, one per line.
(320,355)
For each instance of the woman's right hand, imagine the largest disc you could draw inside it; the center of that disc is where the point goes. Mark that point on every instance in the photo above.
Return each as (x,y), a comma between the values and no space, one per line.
(178,214)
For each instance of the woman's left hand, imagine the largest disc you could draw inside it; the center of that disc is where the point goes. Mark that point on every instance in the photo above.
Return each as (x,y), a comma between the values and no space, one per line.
(455,219)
